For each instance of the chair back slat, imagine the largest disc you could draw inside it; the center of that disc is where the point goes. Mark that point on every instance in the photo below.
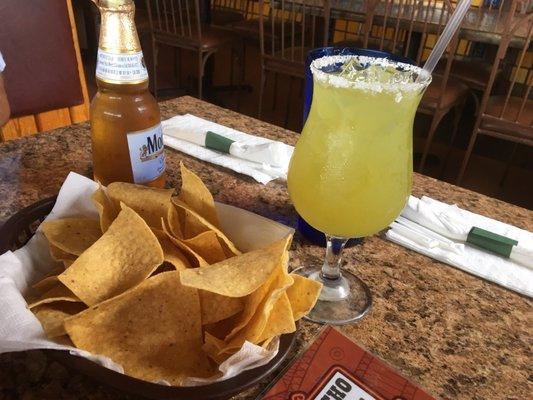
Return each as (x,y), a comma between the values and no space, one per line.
(180,16)
(313,33)
(282,25)
(165,13)
(158,13)
(410,29)
(188,15)
(289,28)
(293,29)
(515,58)
(383,29)
(303,28)
(525,98)
(175,18)
(173,12)
(500,8)
(396,34)
(273,33)
(517,67)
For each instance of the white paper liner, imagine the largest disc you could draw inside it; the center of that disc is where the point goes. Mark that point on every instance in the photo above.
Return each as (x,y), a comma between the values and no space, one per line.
(20,330)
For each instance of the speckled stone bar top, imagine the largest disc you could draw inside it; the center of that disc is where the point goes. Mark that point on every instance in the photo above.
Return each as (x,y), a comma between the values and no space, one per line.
(456,335)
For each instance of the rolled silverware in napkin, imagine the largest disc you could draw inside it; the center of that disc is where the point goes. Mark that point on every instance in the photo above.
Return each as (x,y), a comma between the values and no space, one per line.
(445,232)
(450,222)
(274,153)
(261,158)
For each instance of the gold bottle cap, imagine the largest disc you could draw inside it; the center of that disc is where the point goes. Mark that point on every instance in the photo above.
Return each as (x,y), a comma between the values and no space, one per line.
(117,31)
(120,58)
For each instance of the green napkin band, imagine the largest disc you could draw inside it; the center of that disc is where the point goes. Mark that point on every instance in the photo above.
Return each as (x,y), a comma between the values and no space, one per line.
(217,142)
(491,241)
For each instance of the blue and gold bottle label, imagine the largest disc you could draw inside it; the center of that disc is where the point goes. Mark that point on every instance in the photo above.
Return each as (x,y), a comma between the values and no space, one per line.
(147,154)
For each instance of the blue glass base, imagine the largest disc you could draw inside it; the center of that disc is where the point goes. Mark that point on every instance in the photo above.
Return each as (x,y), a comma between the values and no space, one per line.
(318,238)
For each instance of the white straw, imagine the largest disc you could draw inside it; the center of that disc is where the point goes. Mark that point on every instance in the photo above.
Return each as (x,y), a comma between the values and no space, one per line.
(446,36)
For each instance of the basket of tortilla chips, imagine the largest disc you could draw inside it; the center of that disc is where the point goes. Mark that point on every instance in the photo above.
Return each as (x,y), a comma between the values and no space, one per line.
(151,285)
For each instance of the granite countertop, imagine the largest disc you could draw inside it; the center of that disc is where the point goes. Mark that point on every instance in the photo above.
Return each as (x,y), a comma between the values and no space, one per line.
(458,336)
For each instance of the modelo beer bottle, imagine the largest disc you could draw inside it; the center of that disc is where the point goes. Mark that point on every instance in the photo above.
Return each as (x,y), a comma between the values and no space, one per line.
(127,140)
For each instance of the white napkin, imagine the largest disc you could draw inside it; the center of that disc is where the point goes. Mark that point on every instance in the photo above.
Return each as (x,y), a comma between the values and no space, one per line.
(262,159)
(19,328)
(438,230)
(455,224)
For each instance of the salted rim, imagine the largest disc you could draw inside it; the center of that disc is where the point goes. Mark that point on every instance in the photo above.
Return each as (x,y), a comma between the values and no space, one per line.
(339,81)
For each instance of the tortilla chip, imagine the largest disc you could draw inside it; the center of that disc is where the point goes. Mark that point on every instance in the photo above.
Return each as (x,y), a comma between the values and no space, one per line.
(46,284)
(303,295)
(150,203)
(64,340)
(72,235)
(175,220)
(200,236)
(57,293)
(197,196)
(207,246)
(52,316)
(280,320)
(154,330)
(252,304)
(171,252)
(237,276)
(257,311)
(60,255)
(195,260)
(193,224)
(222,328)
(106,209)
(212,347)
(216,308)
(122,258)
(185,222)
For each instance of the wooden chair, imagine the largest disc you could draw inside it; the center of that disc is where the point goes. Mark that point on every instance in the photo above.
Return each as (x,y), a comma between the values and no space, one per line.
(286,33)
(410,28)
(45,83)
(473,61)
(178,23)
(247,28)
(506,112)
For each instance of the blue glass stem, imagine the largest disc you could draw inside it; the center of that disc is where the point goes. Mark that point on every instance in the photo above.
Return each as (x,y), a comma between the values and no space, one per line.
(332,264)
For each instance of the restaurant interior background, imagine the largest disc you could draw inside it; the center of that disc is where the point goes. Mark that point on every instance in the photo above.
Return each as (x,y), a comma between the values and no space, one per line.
(497,168)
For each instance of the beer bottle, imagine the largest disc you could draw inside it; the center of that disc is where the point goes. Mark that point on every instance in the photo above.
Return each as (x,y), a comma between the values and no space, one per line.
(127,140)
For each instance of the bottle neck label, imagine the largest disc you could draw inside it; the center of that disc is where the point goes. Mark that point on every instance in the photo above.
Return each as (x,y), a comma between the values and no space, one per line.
(121,68)
(147,154)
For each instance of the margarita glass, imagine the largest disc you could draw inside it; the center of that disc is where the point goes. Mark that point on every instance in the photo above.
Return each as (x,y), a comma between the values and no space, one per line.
(350,174)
